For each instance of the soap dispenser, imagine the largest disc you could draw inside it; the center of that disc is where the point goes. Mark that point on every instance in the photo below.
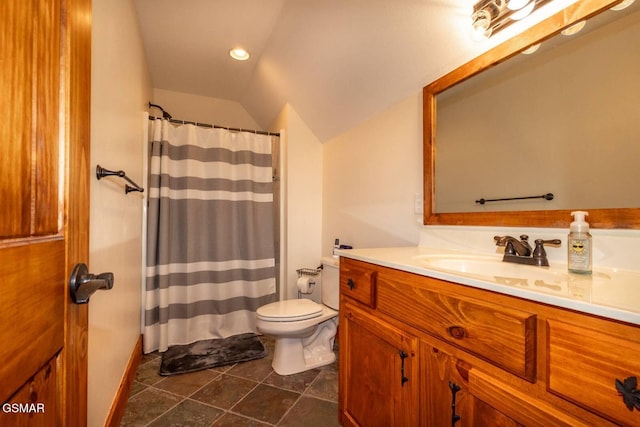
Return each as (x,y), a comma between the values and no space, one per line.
(579,244)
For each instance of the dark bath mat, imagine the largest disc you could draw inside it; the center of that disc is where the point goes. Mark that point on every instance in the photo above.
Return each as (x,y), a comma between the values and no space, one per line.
(181,359)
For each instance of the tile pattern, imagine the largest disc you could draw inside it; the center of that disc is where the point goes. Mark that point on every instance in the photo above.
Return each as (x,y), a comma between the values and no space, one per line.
(244,394)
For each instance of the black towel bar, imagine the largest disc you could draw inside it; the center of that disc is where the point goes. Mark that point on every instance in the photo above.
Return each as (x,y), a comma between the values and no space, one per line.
(548,196)
(102,172)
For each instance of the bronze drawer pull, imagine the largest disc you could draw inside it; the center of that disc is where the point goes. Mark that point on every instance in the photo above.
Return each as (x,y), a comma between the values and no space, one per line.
(628,389)
(455,388)
(403,355)
(351,283)
(457,332)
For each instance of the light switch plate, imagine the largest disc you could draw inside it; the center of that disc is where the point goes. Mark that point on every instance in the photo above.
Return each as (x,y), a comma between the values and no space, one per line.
(417,204)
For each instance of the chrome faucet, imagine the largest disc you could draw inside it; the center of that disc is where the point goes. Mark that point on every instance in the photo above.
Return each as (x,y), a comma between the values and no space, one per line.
(520,252)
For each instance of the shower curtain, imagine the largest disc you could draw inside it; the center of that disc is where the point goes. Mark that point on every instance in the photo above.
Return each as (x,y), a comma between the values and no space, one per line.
(210,239)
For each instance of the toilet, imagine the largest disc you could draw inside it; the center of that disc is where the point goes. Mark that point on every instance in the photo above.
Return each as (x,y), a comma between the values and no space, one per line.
(304,330)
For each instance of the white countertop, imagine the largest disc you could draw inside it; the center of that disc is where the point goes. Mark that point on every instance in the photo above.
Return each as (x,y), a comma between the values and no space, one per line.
(607,292)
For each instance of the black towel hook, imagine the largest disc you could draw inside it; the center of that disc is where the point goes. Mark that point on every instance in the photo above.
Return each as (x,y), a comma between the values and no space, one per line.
(102,172)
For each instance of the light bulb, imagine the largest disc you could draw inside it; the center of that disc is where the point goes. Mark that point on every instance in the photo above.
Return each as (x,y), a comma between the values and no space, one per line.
(517,4)
(524,12)
(481,23)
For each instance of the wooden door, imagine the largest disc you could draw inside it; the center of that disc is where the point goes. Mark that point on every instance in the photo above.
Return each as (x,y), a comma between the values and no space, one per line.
(379,365)
(44,222)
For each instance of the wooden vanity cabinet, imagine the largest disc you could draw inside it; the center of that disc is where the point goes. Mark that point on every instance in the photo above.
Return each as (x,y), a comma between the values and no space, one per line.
(417,351)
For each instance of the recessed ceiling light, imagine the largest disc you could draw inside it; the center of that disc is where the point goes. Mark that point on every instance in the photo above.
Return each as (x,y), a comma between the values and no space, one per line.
(239,54)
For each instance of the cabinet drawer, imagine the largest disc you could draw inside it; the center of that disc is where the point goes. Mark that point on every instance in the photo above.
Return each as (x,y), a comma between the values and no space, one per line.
(500,335)
(583,365)
(517,405)
(357,281)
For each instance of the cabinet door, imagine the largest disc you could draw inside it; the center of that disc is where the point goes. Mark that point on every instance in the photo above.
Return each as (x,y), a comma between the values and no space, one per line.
(604,356)
(448,399)
(455,393)
(379,365)
(445,398)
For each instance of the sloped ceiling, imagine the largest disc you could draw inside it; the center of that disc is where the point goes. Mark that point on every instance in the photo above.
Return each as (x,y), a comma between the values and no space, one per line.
(337,62)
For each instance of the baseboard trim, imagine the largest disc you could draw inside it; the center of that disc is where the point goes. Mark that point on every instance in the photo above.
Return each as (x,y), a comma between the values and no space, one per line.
(120,400)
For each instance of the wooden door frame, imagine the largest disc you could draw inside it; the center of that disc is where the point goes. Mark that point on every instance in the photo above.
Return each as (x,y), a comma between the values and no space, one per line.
(76,63)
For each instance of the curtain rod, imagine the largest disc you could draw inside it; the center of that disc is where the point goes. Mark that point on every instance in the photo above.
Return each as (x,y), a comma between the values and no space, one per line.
(207,125)
(165,114)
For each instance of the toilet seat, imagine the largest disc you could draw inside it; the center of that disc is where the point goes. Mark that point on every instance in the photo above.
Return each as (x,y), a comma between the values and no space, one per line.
(289,310)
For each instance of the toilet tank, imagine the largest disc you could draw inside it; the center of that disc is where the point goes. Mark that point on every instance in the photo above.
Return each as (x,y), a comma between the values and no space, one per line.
(331,281)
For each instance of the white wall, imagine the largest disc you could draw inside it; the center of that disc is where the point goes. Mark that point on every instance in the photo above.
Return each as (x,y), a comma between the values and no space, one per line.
(202,109)
(371,175)
(120,92)
(301,155)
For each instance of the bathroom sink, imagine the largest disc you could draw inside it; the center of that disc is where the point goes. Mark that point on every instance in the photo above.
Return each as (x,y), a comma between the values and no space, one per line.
(494,269)
(478,264)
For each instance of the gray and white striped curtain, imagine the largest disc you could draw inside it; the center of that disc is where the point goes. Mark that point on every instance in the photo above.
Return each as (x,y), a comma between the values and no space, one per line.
(210,239)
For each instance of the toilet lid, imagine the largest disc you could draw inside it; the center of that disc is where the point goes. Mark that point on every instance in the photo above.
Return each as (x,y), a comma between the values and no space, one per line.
(290,310)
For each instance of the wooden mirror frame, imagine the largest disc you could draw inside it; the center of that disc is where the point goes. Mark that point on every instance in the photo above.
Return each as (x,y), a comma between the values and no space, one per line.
(624,218)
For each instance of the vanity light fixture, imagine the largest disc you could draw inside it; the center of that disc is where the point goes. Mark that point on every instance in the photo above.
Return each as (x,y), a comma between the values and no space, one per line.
(481,24)
(623,5)
(490,16)
(239,54)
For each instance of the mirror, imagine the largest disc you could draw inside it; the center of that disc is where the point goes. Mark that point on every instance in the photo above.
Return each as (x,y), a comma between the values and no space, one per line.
(503,150)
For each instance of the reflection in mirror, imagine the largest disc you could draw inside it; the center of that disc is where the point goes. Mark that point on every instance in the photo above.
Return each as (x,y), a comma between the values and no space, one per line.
(563,120)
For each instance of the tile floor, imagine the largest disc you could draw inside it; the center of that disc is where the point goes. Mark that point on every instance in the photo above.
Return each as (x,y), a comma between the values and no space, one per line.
(244,394)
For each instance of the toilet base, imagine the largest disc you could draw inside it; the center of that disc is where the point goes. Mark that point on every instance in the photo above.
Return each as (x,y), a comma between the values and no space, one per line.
(295,355)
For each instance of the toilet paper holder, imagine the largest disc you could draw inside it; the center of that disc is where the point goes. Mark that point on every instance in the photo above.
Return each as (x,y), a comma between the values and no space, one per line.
(310,274)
